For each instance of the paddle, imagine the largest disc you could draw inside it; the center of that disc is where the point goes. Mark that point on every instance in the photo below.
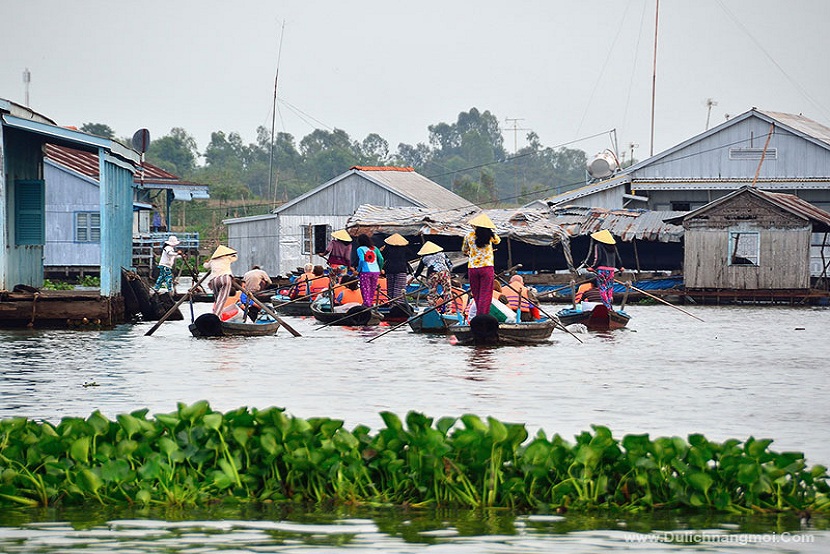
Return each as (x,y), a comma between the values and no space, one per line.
(265,308)
(531,302)
(364,310)
(178,303)
(425,312)
(306,296)
(660,300)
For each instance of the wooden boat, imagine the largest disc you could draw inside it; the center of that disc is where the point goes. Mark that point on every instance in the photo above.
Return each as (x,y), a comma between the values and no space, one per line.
(396,312)
(434,322)
(489,332)
(599,318)
(209,325)
(352,314)
(284,305)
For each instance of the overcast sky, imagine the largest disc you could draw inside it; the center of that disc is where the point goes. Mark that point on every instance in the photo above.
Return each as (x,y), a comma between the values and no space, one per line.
(566,70)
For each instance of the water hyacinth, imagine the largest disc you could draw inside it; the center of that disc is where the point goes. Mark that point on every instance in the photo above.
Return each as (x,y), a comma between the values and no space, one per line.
(197,456)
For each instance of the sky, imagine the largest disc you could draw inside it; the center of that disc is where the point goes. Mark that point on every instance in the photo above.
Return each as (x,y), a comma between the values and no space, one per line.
(577,73)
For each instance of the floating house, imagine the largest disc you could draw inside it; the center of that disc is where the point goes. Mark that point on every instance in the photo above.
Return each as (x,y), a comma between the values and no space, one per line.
(23,192)
(73,208)
(754,242)
(292,235)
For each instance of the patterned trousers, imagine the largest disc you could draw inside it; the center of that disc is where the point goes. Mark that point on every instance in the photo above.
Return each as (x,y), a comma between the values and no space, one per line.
(165,279)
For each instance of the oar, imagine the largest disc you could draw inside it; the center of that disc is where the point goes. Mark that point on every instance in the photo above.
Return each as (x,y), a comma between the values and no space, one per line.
(660,300)
(303,297)
(266,309)
(532,303)
(366,309)
(176,305)
(425,312)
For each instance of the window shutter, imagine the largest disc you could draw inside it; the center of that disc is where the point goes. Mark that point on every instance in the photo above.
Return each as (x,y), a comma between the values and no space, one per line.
(28,217)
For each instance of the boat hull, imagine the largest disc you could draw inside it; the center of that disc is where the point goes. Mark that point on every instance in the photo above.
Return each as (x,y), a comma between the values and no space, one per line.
(599,318)
(506,334)
(209,325)
(355,316)
(433,322)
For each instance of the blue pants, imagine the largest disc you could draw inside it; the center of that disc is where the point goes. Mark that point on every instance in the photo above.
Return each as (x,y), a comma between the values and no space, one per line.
(165,278)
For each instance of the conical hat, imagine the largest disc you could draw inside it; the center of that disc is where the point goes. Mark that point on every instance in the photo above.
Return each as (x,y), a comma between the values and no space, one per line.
(396,240)
(481,220)
(429,247)
(222,251)
(343,235)
(603,236)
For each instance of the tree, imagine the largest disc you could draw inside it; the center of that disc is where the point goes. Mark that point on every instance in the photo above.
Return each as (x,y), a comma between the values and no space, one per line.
(175,152)
(98,129)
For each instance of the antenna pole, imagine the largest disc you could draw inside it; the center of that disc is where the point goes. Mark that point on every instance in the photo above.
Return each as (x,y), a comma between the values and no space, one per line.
(27,78)
(516,130)
(654,75)
(274,120)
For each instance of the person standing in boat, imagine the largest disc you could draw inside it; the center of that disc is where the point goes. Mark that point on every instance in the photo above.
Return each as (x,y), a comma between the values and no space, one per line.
(220,280)
(369,263)
(169,255)
(604,262)
(339,253)
(438,267)
(478,245)
(396,265)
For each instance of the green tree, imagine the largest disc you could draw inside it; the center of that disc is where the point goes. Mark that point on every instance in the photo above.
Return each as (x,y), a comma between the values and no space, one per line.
(98,129)
(175,152)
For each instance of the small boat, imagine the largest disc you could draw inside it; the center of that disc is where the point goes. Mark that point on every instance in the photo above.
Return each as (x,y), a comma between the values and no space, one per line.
(599,318)
(486,330)
(351,314)
(396,312)
(284,305)
(433,322)
(209,325)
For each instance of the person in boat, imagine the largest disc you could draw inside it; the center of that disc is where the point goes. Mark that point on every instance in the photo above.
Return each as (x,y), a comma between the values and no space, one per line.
(339,253)
(478,245)
(348,292)
(396,265)
(604,262)
(254,281)
(438,266)
(519,299)
(460,298)
(369,262)
(319,282)
(169,255)
(220,280)
(302,283)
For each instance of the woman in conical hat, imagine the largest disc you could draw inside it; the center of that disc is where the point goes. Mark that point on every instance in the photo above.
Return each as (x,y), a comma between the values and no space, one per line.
(396,265)
(169,254)
(478,245)
(438,268)
(338,253)
(605,261)
(220,280)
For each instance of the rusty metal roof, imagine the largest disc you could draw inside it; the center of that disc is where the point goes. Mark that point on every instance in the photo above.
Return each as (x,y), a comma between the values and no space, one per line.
(537,226)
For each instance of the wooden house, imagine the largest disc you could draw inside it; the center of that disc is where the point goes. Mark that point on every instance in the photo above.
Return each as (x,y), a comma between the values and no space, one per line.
(751,240)
(23,191)
(291,235)
(73,207)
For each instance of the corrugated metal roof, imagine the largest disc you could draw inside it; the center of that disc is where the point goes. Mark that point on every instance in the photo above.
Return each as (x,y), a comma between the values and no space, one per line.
(410,184)
(537,226)
(802,124)
(86,163)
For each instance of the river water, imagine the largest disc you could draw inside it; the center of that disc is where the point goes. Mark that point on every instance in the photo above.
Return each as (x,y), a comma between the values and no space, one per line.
(743,371)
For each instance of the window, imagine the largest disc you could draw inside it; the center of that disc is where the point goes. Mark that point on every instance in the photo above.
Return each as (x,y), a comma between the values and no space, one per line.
(681,206)
(88,227)
(29,225)
(308,239)
(744,248)
(322,236)
(752,153)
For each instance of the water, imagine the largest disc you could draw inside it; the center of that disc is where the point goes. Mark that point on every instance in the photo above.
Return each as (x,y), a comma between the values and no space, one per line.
(744,371)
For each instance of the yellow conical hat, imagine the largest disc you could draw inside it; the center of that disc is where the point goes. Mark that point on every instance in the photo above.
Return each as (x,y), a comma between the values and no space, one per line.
(481,220)
(429,247)
(222,251)
(603,236)
(396,240)
(343,235)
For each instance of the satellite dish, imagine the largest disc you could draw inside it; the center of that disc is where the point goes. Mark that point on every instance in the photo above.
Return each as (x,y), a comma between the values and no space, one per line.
(141,140)
(603,165)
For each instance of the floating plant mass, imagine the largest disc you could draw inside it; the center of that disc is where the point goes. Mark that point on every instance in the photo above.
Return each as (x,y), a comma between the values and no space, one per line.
(197,456)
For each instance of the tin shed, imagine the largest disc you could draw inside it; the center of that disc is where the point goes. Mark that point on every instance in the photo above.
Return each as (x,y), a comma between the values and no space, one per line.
(751,240)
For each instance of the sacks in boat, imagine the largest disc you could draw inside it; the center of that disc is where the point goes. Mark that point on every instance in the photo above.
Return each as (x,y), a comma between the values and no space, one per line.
(502,312)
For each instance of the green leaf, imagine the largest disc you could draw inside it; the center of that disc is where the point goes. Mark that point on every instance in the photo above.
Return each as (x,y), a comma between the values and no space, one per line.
(392,421)
(497,430)
(80,449)
(99,423)
(213,421)
(89,481)
(701,481)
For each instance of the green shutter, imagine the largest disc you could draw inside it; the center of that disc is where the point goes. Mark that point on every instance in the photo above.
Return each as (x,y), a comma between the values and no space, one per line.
(29,226)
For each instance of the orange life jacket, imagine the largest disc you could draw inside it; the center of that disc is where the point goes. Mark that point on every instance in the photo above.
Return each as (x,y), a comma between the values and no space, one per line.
(580,292)
(517,300)
(318,285)
(348,295)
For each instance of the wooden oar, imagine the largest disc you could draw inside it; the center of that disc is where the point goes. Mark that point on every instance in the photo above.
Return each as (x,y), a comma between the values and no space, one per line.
(660,300)
(266,309)
(178,303)
(532,303)
(364,310)
(305,296)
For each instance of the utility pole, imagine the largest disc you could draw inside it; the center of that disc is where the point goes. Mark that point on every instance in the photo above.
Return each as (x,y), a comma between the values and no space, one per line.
(515,130)
(709,103)
(27,78)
